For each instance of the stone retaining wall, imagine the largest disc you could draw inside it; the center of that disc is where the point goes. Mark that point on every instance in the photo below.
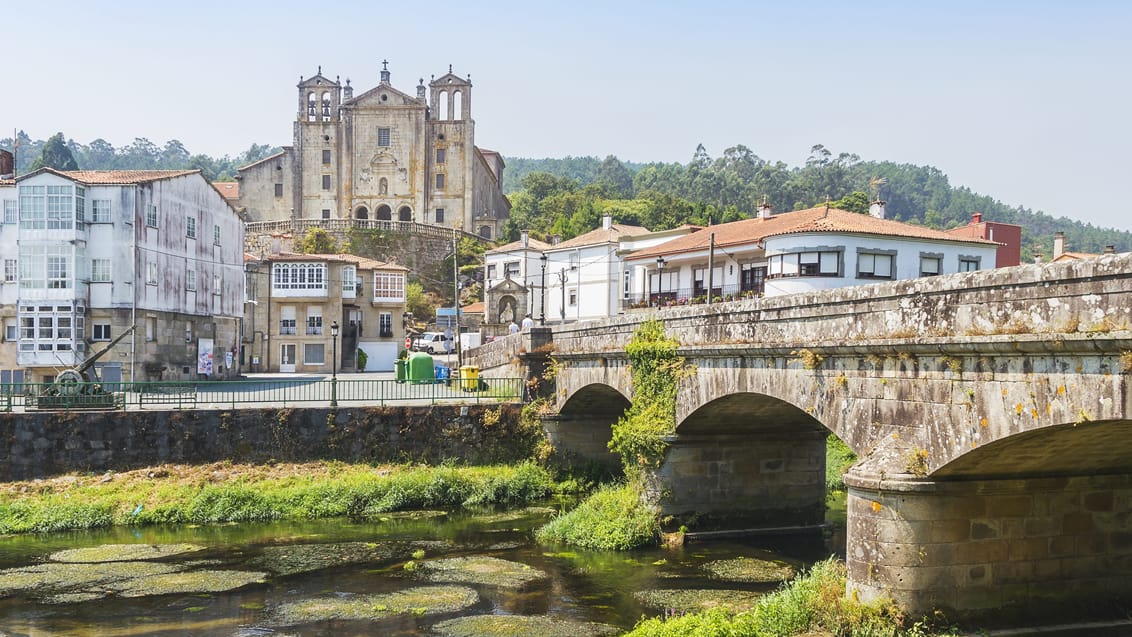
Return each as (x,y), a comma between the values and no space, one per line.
(38,445)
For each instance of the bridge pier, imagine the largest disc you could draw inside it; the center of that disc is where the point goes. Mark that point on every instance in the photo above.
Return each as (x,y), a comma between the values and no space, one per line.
(740,481)
(991,545)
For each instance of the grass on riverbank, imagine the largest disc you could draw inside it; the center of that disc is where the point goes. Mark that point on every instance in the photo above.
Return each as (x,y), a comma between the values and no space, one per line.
(612,519)
(814,603)
(227,492)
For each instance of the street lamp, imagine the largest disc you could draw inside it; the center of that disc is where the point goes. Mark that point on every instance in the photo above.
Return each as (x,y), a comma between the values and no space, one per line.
(660,281)
(542,303)
(334,365)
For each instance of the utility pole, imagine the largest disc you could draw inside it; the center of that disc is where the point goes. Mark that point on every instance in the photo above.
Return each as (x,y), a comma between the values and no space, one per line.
(711,267)
(563,277)
(542,290)
(456,297)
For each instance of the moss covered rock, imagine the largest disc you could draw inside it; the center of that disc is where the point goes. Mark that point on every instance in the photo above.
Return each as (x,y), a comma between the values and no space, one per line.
(520,626)
(424,600)
(697,600)
(479,570)
(750,570)
(123,552)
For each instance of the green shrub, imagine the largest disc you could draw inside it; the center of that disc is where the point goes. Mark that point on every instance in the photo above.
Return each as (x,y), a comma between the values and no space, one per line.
(838,458)
(612,519)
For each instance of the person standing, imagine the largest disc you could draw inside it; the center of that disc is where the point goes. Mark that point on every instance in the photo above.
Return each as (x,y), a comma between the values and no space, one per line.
(512,328)
(528,323)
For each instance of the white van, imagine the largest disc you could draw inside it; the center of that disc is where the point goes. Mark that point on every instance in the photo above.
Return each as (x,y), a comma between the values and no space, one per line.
(433,343)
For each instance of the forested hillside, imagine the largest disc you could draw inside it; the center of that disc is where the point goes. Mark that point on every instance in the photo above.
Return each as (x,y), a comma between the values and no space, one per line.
(569,196)
(142,154)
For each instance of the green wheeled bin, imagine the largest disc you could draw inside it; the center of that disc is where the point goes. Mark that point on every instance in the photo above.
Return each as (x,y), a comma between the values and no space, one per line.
(399,369)
(420,369)
(469,378)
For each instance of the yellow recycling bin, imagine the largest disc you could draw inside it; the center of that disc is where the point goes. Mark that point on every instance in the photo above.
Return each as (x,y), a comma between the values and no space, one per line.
(469,378)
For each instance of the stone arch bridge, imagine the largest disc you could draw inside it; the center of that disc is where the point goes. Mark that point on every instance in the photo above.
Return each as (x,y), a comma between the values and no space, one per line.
(991,413)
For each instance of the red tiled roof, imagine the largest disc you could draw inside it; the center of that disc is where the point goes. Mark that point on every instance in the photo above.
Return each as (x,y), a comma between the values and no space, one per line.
(474,308)
(811,220)
(229,189)
(601,235)
(532,244)
(1074,256)
(121,178)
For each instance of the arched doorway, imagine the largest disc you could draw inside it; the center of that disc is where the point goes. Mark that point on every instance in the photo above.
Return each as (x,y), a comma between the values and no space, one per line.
(361,213)
(405,213)
(384,213)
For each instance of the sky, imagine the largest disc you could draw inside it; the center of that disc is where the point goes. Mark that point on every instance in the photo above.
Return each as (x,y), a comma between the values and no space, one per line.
(1027,102)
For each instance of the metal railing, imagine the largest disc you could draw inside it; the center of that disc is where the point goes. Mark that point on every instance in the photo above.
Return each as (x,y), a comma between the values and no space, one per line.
(274,392)
(692,296)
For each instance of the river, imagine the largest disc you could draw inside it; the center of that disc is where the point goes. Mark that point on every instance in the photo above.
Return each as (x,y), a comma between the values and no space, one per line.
(69,592)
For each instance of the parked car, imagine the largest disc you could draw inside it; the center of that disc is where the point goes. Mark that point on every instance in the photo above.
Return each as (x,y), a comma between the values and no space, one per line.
(433,343)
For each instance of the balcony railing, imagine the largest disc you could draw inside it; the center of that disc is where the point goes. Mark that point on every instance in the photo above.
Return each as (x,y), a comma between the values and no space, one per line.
(693,296)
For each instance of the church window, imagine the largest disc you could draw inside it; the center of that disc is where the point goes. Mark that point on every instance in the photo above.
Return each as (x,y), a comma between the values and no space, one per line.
(440,181)
(440,215)
(458,105)
(405,213)
(384,213)
(326,156)
(443,110)
(326,182)
(278,190)
(440,155)
(312,107)
(383,137)
(326,213)
(326,107)
(485,232)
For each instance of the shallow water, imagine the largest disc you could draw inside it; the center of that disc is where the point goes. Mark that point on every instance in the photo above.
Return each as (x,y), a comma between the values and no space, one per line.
(331,561)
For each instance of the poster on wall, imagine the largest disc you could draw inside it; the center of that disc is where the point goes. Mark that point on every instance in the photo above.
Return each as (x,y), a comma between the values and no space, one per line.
(204,356)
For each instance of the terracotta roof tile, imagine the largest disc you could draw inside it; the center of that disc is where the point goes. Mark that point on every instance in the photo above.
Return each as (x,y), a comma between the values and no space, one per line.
(1074,256)
(597,237)
(474,308)
(228,189)
(122,177)
(811,220)
(532,244)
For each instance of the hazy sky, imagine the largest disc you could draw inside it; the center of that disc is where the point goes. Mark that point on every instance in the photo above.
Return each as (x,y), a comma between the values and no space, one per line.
(1025,101)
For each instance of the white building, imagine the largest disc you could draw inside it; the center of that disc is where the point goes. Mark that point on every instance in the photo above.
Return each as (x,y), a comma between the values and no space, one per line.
(87,254)
(815,249)
(584,278)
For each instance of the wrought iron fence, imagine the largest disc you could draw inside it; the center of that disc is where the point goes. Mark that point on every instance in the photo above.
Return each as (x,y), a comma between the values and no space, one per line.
(274,392)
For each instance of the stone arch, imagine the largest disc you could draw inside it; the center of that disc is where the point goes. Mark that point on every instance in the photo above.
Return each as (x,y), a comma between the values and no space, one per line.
(405,213)
(584,425)
(361,213)
(312,106)
(457,105)
(326,106)
(442,110)
(485,232)
(384,213)
(744,413)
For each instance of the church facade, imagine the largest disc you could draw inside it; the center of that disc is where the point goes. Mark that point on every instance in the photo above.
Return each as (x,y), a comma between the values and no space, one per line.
(382,155)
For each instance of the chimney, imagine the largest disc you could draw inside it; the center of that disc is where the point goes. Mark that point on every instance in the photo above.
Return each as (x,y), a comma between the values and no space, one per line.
(976,217)
(1037,258)
(555,239)
(1110,249)
(1058,244)
(765,211)
(607,222)
(525,238)
(876,209)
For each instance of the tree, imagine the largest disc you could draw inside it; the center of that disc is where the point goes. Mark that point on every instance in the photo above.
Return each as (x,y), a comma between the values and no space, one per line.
(317,241)
(855,201)
(615,177)
(56,155)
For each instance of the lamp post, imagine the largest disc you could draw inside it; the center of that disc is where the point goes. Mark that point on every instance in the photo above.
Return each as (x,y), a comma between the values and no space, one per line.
(334,365)
(542,303)
(660,281)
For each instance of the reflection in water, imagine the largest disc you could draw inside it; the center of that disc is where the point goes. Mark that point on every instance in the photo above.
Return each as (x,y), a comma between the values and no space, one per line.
(343,559)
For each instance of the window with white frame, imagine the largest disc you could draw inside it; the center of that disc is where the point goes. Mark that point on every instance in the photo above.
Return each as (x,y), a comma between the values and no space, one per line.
(314,320)
(626,285)
(298,276)
(383,137)
(100,211)
(191,227)
(100,270)
(11,270)
(931,265)
(216,235)
(511,269)
(45,267)
(151,216)
(385,324)
(216,287)
(151,273)
(491,271)
(573,294)
(871,265)
(10,211)
(968,264)
(33,207)
(100,332)
(314,354)
(349,280)
(49,328)
(808,263)
(287,324)
(11,330)
(191,280)
(60,208)
(389,286)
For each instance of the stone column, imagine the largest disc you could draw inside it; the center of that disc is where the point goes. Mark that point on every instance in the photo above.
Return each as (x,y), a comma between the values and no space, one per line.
(986,546)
